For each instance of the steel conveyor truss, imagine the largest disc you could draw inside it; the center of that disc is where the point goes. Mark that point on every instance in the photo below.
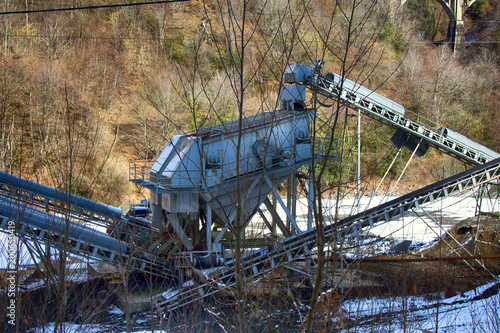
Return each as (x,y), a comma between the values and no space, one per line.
(47,215)
(392,114)
(298,246)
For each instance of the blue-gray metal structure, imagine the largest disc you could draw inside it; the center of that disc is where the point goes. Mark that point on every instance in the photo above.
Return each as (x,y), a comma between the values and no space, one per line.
(53,228)
(49,198)
(48,215)
(304,243)
(200,174)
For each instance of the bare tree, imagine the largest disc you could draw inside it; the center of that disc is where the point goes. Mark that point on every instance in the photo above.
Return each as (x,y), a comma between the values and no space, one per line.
(13,97)
(349,37)
(52,32)
(6,24)
(240,22)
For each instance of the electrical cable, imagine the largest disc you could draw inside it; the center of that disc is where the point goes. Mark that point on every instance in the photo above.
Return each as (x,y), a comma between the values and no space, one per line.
(90,7)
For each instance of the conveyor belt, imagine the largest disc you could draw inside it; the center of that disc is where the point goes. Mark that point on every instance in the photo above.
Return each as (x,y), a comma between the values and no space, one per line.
(81,210)
(297,246)
(455,145)
(41,213)
(57,201)
(50,229)
(411,133)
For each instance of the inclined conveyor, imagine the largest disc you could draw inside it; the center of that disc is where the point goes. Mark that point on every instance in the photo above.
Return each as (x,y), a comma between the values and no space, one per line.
(47,215)
(298,246)
(411,133)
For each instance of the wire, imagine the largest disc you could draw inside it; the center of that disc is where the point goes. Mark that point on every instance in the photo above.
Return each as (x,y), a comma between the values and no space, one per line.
(90,7)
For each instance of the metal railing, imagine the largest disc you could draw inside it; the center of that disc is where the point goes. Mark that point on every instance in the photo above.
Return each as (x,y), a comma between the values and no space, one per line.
(326,148)
(138,171)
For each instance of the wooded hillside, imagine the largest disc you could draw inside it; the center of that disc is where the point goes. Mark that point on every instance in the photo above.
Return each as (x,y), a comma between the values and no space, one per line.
(83,92)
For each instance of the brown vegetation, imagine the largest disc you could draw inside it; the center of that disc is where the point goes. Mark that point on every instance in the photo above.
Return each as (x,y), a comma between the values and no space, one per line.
(84,92)
(121,75)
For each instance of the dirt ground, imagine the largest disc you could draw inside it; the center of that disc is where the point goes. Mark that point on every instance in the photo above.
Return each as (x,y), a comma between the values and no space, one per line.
(440,269)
